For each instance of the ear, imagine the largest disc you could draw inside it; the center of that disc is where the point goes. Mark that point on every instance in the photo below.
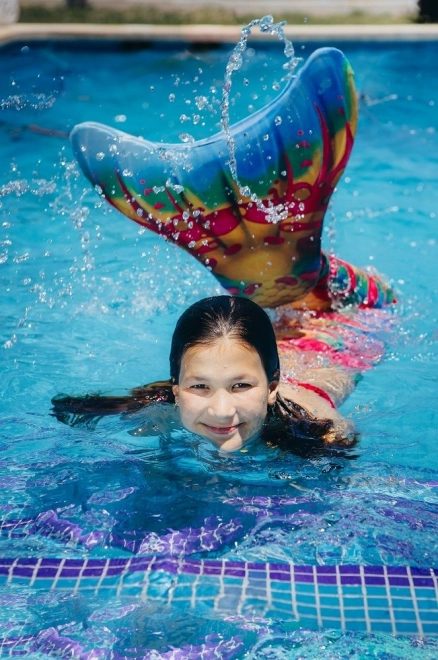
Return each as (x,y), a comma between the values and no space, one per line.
(274,386)
(175,390)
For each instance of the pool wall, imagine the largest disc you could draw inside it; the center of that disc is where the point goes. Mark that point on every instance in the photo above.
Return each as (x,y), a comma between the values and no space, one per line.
(216,33)
(395,600)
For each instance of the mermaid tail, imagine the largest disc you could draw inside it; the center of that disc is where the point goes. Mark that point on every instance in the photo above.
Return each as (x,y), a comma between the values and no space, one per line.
(262,240)
(341,285)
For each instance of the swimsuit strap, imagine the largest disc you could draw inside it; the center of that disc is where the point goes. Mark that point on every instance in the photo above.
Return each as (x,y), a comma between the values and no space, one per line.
(313,388)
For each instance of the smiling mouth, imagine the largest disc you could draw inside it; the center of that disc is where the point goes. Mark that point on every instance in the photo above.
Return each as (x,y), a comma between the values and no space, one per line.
(222,430)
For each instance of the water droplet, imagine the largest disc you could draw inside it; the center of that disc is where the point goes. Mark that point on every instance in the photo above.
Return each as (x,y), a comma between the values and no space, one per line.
(201,102)
(186,137)
(278,120)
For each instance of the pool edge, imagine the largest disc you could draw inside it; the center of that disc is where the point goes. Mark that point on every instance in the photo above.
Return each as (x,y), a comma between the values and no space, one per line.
(214,33)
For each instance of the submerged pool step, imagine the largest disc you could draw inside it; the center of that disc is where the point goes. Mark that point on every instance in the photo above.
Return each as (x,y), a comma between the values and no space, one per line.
(396,600)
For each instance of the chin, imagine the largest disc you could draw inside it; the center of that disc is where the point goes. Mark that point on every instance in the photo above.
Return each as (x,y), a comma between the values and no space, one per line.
(230,445)
(234,443)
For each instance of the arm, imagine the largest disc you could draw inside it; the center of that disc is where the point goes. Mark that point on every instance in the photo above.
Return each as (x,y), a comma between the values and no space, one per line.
(319,391)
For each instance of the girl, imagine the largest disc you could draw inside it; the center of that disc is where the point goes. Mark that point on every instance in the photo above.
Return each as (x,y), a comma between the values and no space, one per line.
(226,383)
(262,241)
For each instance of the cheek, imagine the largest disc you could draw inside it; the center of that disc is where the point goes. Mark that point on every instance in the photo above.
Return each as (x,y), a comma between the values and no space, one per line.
(261,401)
(257,407)
(188,408)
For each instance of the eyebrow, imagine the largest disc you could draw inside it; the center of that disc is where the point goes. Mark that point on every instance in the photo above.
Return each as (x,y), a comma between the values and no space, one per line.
(239,377)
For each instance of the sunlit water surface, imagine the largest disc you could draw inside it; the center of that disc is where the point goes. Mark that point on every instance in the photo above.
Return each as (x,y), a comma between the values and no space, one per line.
(89,301)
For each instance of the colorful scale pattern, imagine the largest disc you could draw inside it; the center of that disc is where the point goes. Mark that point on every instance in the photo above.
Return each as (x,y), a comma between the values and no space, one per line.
(186,192)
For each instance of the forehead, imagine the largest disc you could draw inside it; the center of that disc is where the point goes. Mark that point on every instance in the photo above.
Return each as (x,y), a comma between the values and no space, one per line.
(224,352)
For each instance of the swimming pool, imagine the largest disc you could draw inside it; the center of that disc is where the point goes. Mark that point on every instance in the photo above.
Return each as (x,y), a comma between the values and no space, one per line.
(89,303)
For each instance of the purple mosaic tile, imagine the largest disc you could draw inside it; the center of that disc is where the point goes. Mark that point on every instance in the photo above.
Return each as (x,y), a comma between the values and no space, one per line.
(373,570)
(211,562)
(121,563)
(277,567)
(321,570)
(304,578)
(191,568)
(326,579)
(50,561)
(47,572)
(212,570)
(397,570)
(398,581)
(375,580)
(138,564)
(234,571)
(114,571)
(69,573)
(24,571)
(303,570)
(256,566)
(423,582)
(74,563)
(96,563)
(352,580)
(166,564)
(33,561)
(349,569)
(423,571)
(92,572)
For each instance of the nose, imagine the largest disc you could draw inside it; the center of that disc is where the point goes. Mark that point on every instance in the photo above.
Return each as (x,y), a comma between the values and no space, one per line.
(221,405)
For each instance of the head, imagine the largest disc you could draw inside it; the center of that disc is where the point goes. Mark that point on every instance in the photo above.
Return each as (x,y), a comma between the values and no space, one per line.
(224,368)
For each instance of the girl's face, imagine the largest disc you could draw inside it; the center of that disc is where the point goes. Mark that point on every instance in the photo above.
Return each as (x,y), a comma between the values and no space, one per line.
(223,393)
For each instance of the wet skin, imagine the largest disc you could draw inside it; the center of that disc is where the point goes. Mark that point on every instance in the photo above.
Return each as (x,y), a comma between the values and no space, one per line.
(223,393)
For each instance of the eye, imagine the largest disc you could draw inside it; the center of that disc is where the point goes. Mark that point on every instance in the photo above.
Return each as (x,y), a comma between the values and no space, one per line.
(242,386)
(198,386)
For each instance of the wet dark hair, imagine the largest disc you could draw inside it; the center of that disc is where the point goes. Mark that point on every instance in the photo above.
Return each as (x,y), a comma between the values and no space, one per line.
(211,319)
(203,323)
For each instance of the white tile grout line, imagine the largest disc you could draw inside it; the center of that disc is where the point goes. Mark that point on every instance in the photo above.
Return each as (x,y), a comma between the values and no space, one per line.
(215,33)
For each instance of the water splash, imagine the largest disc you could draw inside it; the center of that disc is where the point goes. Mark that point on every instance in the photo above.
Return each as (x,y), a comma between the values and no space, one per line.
(275,213)
(20,102)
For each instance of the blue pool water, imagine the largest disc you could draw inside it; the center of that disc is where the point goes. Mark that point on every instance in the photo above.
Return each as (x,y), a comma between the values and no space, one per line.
(88,302)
